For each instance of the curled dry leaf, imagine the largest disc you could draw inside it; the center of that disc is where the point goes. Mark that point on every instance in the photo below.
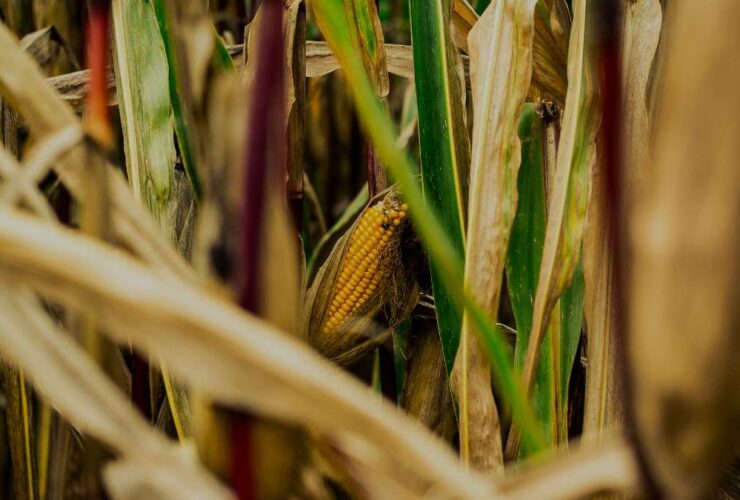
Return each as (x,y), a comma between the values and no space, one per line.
(230,355)
(320,61)
(581,472)
(550,58)
(501,69)
(79,390)
(45,112)
(464,18)
(363,277)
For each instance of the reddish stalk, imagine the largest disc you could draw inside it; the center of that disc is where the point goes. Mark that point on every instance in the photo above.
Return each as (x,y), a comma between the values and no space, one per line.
(265,162)
(97,118)
(608,44)
(99,129)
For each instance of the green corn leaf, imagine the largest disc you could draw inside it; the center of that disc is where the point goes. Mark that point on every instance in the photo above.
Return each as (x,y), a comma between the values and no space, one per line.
(560,343)
(444,144)
(566,208)
(367,34)
(183,125)
(523,263)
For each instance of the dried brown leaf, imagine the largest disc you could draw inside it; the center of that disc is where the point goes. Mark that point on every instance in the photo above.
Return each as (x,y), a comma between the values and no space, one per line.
(501,69)
(234,357)
(641,25)
(464,18)
(79,390)
(45,112)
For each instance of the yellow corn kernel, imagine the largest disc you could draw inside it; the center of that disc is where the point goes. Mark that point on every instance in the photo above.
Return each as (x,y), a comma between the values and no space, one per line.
(359,275)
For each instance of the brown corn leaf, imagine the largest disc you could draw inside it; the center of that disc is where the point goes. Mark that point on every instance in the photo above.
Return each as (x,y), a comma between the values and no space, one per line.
(683,293)
(45,113)
(641,25)
(604,398)
(89,400)
(464,18)
(551,31)
(234,357)
(426,394)
(46,47)
(570,194)
(319,61)
(501,70)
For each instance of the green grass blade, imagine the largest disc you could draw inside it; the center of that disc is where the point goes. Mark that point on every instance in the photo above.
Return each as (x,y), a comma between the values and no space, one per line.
(444,144)
(330,17)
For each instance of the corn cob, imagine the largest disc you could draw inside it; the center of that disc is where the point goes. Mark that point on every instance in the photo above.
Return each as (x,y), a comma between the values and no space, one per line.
(360,272)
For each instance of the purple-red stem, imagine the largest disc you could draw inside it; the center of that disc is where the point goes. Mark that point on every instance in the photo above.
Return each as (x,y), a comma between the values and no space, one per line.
(265,161)
(97,118)
(97,121)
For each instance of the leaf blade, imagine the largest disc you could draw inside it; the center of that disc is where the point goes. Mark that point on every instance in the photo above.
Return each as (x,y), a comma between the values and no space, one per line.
(443,143)
(500,47)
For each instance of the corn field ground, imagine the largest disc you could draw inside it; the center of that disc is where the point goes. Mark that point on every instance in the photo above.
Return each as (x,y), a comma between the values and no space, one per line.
(372,249)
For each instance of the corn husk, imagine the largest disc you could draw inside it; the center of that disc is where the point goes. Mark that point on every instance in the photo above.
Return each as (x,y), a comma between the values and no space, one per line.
(372,323)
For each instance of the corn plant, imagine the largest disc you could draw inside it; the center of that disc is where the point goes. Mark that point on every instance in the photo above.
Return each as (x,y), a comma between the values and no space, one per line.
(368,249)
